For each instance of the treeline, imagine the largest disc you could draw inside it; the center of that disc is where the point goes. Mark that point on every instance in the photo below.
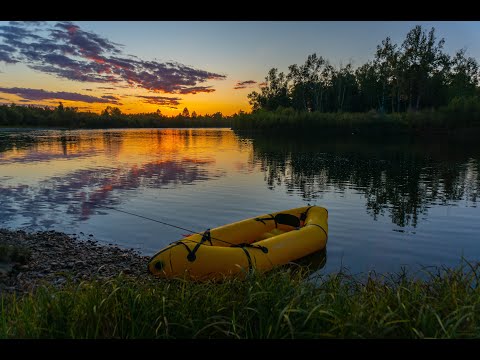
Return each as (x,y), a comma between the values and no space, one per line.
(415,76)
(111,117)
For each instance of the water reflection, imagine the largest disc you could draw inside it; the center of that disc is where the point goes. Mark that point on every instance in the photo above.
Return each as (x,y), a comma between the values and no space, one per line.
(90,170)
(83,191)
(311,264)
(16,146)
(11,141)
(401,177)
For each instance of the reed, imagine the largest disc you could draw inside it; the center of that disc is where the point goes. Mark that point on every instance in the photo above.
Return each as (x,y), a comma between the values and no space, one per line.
(286,119)
(442,303)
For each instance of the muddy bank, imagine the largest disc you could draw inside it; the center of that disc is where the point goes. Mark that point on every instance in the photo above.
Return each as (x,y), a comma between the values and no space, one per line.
(28,260)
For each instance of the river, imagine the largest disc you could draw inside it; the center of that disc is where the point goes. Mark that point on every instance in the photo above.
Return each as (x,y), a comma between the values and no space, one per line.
(393,203)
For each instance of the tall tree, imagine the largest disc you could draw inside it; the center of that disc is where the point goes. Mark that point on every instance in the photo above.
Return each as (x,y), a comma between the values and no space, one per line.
(421,55)
(389,68)
(309,83)
(344,87)
(298,89)
(369,86)
(274,92)
(464,76)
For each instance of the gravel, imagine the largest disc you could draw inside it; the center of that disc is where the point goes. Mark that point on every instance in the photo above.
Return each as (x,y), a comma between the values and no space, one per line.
(56,257)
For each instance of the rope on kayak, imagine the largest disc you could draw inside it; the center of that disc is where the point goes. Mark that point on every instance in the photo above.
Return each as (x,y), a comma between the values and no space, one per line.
(303,216)
(284,219)
(260,247)
(320,228)
(191,253)
(249,258)
(270,218)
(205,237)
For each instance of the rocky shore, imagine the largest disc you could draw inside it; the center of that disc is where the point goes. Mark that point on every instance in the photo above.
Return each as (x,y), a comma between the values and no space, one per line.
(28,260)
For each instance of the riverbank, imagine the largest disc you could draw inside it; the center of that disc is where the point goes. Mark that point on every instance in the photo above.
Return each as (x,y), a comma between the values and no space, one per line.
(108,294)
(29,260)
(426,122)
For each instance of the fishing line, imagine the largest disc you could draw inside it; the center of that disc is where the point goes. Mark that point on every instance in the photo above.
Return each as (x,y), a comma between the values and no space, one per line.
(165,223)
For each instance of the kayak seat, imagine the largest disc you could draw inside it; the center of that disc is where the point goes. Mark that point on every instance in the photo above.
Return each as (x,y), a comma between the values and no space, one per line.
(287,219)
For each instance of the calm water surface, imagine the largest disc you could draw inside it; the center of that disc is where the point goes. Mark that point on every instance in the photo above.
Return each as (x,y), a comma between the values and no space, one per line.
(392,203)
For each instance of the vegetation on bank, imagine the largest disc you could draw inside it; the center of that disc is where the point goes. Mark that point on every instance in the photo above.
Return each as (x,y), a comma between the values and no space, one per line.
(111,117)
(279,304)
(461,113)
(10,253)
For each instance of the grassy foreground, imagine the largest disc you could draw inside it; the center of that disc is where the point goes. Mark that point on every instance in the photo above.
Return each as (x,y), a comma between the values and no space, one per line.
(280,304)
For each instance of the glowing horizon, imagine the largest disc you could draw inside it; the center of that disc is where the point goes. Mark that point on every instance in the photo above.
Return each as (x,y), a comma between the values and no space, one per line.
(207,67)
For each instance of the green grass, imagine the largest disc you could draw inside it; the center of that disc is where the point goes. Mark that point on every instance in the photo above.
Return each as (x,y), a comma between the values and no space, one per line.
(280,304)
(14,253)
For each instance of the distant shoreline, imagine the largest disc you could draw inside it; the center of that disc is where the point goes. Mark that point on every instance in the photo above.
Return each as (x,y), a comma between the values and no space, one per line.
(287,120)
(423,122)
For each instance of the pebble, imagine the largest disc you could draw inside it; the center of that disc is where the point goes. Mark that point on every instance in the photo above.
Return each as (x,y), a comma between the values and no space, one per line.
(55,256)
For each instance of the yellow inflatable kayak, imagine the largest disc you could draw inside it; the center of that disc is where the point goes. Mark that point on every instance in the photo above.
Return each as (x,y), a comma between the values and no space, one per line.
(234,249)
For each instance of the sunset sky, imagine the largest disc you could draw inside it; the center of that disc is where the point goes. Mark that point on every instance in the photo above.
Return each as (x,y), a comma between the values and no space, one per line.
(206,66)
